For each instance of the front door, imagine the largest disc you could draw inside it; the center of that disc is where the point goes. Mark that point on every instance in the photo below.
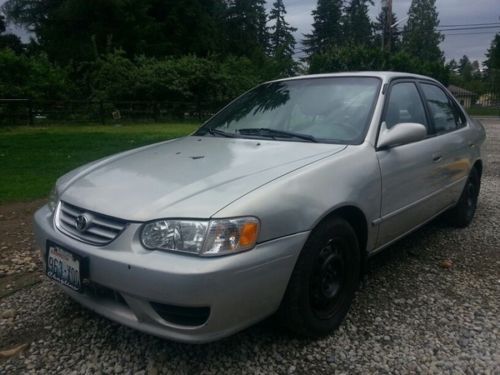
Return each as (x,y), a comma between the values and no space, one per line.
(412,174)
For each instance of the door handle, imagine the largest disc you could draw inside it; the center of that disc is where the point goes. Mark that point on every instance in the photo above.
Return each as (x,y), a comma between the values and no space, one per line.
(472,145)
(436,158)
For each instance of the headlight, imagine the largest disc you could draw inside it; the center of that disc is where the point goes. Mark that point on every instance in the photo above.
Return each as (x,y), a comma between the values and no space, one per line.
(177,235)
(53,199)
(202,237)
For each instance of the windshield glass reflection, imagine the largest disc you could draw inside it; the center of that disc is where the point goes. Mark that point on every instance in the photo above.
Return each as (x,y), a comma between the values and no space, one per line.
(326,109)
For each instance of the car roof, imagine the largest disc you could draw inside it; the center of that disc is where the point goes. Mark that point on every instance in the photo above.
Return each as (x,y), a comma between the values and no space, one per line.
(386,76)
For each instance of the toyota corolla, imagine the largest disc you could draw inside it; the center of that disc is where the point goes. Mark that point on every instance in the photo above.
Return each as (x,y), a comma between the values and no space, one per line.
(272,207)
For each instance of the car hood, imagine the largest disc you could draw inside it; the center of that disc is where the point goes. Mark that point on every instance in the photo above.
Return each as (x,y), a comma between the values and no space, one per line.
(187,177)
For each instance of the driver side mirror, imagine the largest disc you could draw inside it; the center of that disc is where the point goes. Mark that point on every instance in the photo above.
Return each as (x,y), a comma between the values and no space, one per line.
(400,134)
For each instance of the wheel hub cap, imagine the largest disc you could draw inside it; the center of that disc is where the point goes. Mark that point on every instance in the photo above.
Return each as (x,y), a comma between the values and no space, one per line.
(328,279)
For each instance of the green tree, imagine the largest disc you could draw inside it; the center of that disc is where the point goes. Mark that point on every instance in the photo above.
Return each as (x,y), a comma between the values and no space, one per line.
(492,65)
(80,30)
(326,28)
(3,27)
(420,36)
(32,77)
(361,57)
(9,40)
(453,66)
(465,68)
(77,29)
(476,70)
(185,27)
(358,28)
(188,80)
(492,62)
(282,42)
(345,58)
(29,13)
(467,74)
(247,31)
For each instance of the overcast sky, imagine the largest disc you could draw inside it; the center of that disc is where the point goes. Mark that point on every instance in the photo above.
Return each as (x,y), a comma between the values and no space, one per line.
(451,12)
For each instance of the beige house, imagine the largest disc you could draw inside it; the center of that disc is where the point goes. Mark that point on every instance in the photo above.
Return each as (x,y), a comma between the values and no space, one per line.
(487,100)
(464,97)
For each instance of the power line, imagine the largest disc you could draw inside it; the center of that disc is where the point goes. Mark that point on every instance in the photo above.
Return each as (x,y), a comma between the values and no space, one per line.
(472,24)
(468,28)
(463,28)
(475,33)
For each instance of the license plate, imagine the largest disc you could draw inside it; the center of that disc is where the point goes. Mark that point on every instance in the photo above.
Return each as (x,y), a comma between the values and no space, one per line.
(64,267)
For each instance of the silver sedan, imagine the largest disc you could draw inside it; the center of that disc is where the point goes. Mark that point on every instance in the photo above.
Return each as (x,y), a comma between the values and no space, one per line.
(272,207)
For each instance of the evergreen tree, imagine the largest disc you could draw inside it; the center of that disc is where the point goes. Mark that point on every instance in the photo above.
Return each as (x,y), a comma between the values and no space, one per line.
(282,41)
(465,68)
(80,30)
(382,26)
(492,62)
(420,36)
(247,31)
(357,25)
(184,27)
(8,40)
(326,29)
(259,8)
(3,27)
(476,70)
(453,66)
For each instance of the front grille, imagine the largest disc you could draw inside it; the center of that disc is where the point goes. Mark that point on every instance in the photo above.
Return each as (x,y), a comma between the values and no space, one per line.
(100,229)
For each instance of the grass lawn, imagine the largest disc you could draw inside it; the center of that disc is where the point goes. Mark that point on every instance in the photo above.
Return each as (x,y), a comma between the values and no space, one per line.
(481,111)
(32,158)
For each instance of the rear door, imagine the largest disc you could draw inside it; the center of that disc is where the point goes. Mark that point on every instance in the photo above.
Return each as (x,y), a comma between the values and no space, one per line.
(452,133)
(413,174)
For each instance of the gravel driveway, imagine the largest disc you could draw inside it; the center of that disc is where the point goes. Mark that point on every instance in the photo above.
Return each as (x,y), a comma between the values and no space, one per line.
(431,305)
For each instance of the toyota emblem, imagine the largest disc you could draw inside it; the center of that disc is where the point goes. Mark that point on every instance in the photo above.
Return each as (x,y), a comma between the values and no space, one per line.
(81,222)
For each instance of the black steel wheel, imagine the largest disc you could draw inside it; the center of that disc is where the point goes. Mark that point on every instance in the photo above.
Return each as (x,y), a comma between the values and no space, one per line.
(328,278)
(462,214)
(324,281)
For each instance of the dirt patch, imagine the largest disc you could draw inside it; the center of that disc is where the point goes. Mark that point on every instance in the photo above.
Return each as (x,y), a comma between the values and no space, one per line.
(18,252)
(12,283)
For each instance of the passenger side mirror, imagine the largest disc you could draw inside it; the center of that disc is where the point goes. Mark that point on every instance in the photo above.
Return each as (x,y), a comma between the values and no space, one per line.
(400,134)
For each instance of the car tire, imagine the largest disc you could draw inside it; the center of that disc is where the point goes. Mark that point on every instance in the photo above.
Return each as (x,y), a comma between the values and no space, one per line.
(462,214)
(324,280)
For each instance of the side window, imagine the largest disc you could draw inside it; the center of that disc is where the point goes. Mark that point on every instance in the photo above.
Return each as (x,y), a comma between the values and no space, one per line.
(459,116)
(445,115)
(404,105)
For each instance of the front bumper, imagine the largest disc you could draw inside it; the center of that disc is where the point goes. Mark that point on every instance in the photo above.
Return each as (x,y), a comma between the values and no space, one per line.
(239,290)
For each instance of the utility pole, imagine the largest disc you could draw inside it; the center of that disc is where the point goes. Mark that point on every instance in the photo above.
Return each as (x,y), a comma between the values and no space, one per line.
(386,29)
(388,25)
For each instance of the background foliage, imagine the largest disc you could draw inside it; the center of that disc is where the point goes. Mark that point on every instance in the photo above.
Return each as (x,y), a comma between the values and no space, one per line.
(209,50)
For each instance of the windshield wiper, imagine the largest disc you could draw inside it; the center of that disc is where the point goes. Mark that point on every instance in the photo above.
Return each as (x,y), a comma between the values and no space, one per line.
(216,132)
(268,132)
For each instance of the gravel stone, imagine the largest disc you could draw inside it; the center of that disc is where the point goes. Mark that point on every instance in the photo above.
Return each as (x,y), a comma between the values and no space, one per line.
(412,316)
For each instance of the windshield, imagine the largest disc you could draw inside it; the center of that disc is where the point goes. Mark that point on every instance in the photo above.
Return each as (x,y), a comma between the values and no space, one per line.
(336,109)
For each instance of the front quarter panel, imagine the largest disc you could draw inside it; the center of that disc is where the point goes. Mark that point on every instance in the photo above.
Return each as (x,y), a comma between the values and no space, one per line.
(298,201)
